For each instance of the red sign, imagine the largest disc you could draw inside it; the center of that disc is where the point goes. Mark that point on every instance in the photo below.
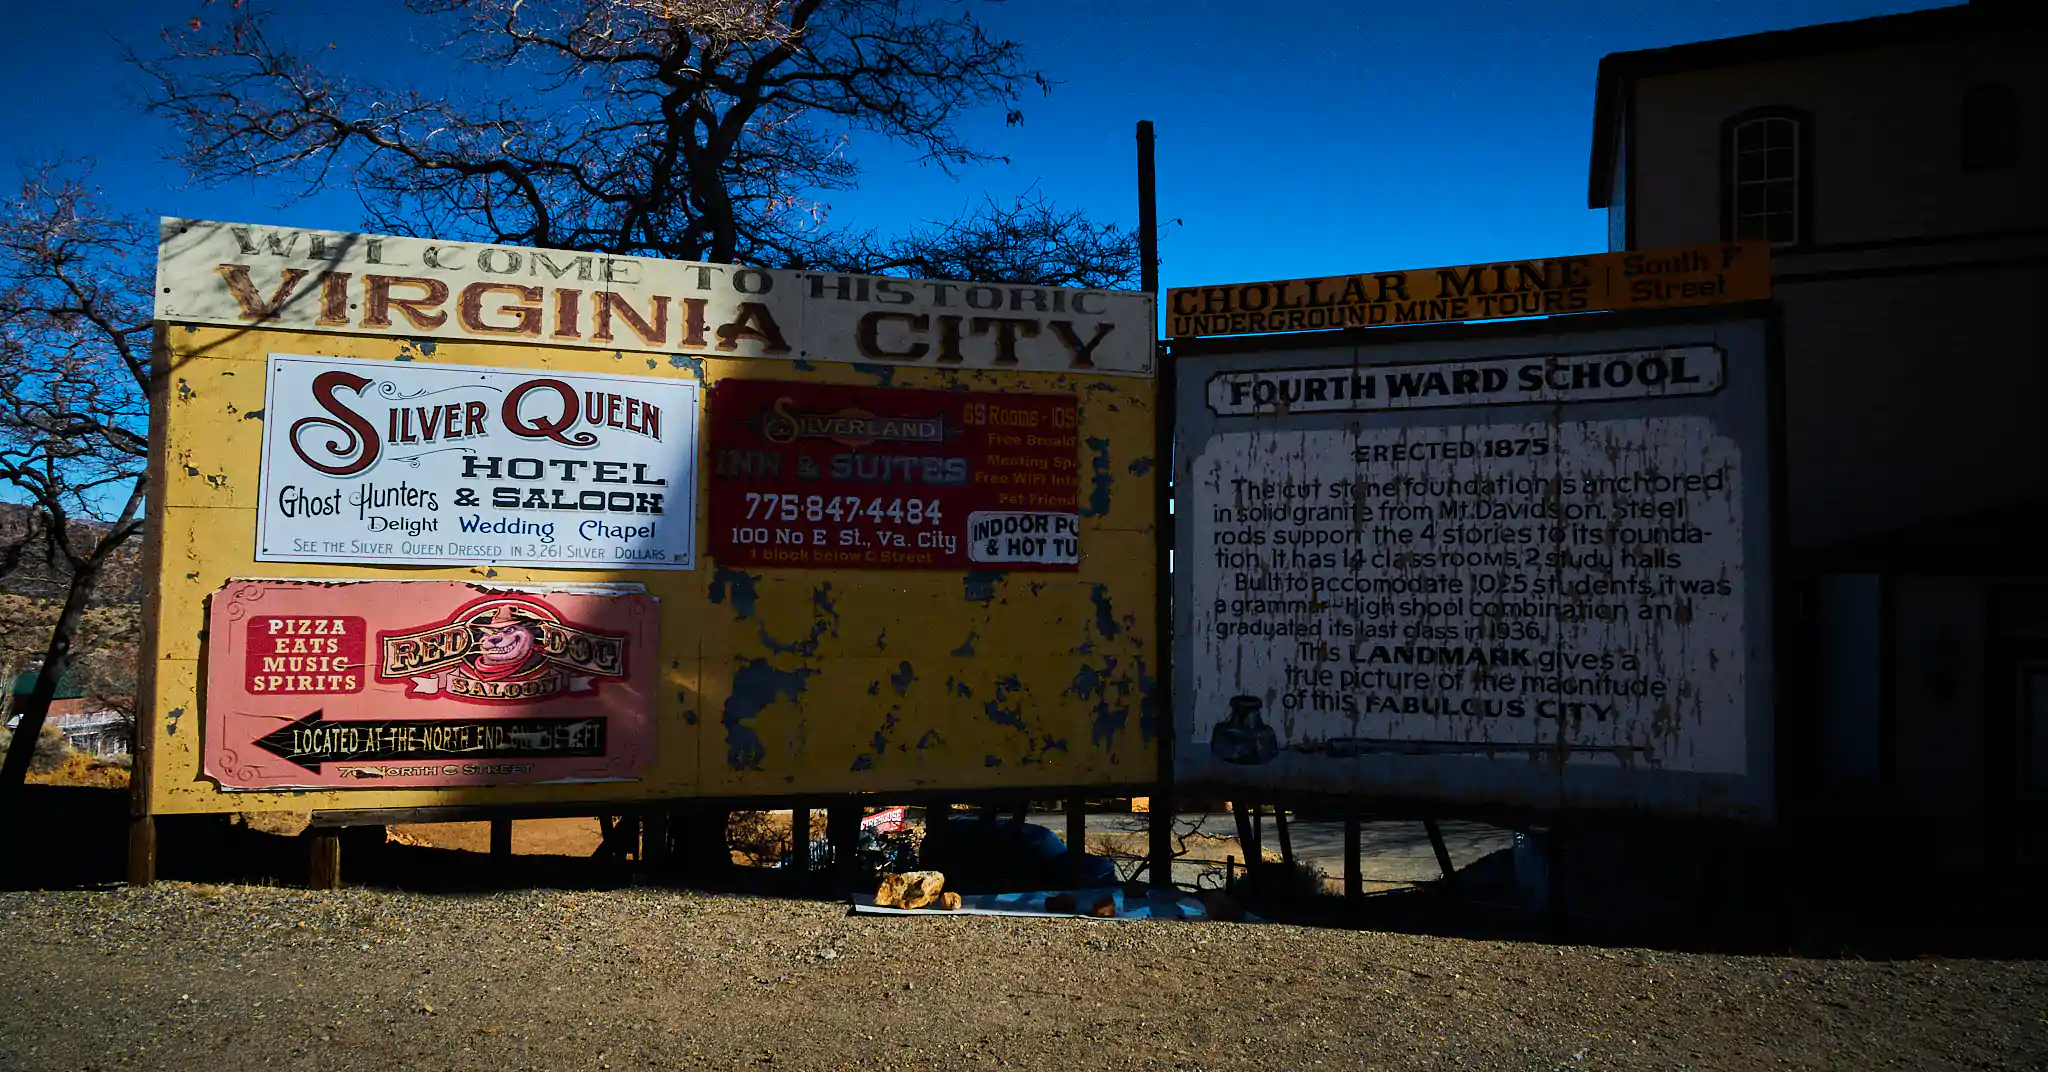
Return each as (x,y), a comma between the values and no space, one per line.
(887,821)
(462,684)
(307,656)
(810,475)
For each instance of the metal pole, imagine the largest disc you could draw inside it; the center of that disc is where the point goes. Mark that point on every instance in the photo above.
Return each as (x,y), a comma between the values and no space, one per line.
(1164,805)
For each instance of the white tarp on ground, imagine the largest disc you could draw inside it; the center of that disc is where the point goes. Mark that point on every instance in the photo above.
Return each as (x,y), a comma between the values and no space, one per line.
(1156,905)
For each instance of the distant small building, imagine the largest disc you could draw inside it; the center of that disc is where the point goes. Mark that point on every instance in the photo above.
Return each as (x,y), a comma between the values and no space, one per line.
(89,723)
(1899,166)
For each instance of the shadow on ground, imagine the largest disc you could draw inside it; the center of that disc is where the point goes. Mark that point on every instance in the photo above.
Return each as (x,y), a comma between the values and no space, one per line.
(75,838)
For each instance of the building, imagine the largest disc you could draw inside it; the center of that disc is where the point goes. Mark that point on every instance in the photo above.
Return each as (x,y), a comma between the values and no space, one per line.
(1898,166)
(89,724)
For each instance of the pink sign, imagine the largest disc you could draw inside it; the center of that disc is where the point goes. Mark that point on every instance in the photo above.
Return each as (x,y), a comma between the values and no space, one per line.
(411,684)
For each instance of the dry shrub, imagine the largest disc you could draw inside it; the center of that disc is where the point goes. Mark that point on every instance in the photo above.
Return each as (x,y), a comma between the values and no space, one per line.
(77,768)
(759,838)
(52,749)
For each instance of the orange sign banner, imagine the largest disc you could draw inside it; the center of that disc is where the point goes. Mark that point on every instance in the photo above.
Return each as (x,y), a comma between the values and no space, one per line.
(1635,279)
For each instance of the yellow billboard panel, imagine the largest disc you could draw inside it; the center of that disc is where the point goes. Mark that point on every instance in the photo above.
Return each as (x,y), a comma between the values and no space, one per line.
(1638,279)
(675,574)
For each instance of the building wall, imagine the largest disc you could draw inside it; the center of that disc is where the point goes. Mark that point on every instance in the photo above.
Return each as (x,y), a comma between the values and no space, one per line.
(1886,140)
(1911,399)
(1939,697)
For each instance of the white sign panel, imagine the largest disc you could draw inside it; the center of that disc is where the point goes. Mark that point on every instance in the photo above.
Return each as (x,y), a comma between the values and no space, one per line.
(332,281)
(1023,536)
(1662,373)
(1471,589)
(395,463)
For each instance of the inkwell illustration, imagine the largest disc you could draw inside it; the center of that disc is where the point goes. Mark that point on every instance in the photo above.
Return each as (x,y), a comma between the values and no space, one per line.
(1243,736)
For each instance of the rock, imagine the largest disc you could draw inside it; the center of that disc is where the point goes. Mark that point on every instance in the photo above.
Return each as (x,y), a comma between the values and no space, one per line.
(1062,902)
(1222,907)
(911,889)
(1105,908)
(949,902)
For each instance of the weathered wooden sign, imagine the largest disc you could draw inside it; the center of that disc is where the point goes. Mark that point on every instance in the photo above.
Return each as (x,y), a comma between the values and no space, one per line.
(1638,279)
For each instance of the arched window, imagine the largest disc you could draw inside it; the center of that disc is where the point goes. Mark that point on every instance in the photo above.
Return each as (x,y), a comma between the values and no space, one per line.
(1990,115)
(1767,176)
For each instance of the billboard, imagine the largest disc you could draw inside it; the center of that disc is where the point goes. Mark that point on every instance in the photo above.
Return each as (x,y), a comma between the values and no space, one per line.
(427,683)
(1713,274)
(1527,569)
(574,468)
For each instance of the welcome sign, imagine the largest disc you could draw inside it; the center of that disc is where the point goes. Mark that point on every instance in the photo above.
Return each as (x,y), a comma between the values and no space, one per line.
(398,463)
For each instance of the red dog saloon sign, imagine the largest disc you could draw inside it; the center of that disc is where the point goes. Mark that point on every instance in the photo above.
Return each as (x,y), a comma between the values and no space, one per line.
(826,476)
(400,684)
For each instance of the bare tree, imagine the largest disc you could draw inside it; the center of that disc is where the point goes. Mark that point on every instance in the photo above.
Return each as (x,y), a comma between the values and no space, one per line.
(74,375)
(695,129)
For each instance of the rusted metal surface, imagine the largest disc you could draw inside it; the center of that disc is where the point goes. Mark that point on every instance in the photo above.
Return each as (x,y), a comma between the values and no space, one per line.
(1486,571)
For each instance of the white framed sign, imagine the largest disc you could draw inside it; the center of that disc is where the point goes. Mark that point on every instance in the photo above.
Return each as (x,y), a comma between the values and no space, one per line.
(396,463)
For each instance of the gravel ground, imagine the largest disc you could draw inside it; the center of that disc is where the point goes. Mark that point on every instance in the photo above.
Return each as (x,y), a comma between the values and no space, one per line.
(226,978)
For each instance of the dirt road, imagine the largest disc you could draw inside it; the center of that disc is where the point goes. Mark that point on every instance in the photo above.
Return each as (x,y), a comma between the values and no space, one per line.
(250,978)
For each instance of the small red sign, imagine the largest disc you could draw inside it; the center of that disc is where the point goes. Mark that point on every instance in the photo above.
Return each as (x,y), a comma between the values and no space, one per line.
(813,476)
(309,655)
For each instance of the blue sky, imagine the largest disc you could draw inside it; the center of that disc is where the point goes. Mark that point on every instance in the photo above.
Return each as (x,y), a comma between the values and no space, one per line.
(1312,139)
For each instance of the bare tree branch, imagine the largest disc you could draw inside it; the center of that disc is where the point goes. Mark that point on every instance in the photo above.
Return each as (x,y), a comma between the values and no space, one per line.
(74,410)
(693,129)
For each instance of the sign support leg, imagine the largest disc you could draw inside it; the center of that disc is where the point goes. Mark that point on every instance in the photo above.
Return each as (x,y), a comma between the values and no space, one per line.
(324,859)
(1443,858)
(501,839)
(1354,869)
(142,850)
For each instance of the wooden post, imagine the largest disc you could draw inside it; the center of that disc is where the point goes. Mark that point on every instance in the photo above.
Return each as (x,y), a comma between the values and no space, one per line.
(1443,857)
(842,832)
(799,841)
(1354,868)
(657,837)
(1077,832)
(324,863)
(501,839)
(141,850)
(1164,804)
(1246,840)
(1553,870)
(1286,841)
(1255,853)
(936,815)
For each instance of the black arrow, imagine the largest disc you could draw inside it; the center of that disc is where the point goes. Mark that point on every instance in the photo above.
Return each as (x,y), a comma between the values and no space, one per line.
(313,740)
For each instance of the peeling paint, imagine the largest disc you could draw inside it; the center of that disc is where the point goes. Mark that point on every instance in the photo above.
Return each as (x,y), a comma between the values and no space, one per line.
(1141,466)
(1098,498)
(885,375)
(903,678)
(966,648)
(741,587)
(804,366)
(980,587)
(694,364)
(171,718)
(1105,618)
(1012,716)
(754,686)
(253,415)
